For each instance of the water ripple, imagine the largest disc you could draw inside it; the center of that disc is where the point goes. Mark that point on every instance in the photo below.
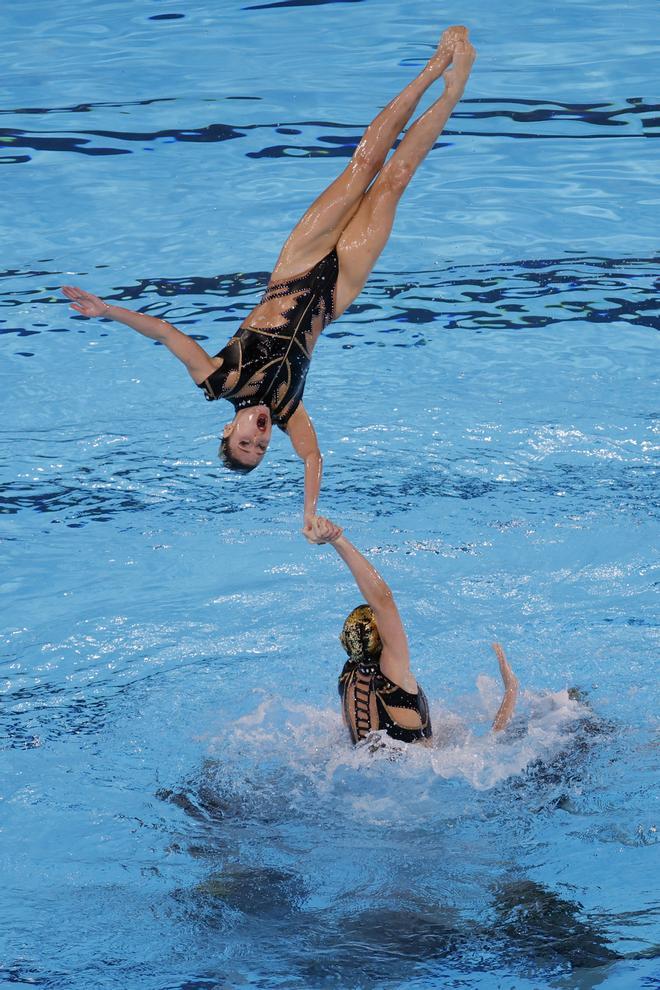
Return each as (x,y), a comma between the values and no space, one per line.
(633,118)
(517,295)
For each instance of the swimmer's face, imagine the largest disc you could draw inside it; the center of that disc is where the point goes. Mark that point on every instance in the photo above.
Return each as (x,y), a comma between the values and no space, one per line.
(248,435)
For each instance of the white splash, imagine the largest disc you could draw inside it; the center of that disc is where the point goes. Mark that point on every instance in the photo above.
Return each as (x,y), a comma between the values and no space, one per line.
(313,743)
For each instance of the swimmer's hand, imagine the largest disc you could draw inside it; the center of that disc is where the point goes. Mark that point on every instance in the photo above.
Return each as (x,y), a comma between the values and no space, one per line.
(321,530)
(308,529)
(84,302)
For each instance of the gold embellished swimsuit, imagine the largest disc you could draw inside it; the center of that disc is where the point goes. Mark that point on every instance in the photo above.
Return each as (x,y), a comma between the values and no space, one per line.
(272,362)
(369,703)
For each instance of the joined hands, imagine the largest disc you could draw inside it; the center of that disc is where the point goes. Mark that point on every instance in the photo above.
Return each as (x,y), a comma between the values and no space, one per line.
(320,530)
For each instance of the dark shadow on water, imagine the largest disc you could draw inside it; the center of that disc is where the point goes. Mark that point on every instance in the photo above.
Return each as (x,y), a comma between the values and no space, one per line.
(548,928)
(524,927)
(257,891)
(535,932)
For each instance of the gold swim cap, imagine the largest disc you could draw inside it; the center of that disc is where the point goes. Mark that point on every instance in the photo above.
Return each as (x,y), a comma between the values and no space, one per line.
(360,637)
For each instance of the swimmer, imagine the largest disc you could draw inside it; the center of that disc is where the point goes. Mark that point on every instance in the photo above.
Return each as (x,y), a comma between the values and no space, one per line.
(321,269)
(376,686)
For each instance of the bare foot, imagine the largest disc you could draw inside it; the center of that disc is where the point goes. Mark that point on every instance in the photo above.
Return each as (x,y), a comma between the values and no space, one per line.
(462,61)
(445,50)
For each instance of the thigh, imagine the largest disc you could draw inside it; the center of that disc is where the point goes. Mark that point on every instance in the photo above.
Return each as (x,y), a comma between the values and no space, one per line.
(362,241)
(318,231)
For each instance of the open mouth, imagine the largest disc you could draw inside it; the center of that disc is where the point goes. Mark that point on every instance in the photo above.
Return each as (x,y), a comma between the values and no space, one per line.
(262,421)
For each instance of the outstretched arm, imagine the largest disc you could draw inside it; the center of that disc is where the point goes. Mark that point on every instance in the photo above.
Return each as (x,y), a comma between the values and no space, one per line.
(195,358)
(395,658)
(510,680)
(305,443)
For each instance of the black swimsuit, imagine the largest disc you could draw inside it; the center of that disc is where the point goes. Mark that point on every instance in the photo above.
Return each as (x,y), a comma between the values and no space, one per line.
(272,362)
(367,699)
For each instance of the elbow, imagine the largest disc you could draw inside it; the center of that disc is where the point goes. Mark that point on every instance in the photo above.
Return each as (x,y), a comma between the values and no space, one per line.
(382,596)
(164,332)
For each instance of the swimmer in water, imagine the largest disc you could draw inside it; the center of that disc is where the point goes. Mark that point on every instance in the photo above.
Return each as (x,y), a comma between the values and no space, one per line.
(321,269)
(376,687)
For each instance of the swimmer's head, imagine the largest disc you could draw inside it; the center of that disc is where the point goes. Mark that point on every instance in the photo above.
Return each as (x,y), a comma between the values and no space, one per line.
(360,637)
(245,440)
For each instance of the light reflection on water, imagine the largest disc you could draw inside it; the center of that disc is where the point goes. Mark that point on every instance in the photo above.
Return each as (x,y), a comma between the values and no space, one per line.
(182,806)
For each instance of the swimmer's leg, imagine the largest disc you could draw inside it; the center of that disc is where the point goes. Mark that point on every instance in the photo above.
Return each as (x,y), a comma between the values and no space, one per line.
(368,231)
(510,680)
(319,229)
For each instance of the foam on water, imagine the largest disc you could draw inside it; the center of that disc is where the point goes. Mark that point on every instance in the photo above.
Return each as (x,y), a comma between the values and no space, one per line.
(313,742)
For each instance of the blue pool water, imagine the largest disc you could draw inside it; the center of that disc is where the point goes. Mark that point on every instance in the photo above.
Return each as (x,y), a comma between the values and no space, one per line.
(181,807)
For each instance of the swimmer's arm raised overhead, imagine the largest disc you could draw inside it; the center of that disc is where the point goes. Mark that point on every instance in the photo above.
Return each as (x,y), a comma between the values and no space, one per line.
(305,443)
(505,711)
(395,658)
(197,361)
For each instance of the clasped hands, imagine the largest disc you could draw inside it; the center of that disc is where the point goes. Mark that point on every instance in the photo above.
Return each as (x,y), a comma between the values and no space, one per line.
(318,529)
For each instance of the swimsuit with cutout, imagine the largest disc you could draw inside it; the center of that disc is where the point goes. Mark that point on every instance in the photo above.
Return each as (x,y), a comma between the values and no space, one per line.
(272,362)
(367,699)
